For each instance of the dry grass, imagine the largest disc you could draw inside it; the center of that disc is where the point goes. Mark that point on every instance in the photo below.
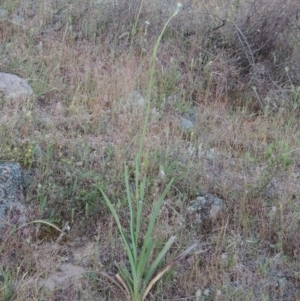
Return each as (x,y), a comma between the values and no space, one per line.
(84,59)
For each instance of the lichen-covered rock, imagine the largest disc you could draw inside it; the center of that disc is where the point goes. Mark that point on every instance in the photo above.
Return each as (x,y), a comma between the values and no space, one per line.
(204,208)
(12,209)
(14,87)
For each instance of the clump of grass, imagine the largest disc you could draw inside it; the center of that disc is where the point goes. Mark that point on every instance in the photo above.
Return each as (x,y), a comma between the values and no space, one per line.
(138,280)
(8,292)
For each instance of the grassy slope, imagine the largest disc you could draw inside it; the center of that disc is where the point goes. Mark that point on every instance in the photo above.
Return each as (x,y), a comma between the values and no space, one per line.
(83,61)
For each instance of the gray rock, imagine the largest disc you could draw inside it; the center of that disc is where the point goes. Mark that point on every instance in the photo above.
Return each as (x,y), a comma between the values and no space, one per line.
(187,125)
(13,19)
(204,208)
(12,209)
(17,21)
(14,87)
(3,15)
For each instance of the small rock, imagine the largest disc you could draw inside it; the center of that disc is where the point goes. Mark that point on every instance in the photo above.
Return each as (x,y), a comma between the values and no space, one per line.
(3,15)
(12,209)
(13,19)
(206,292)
(186,125)
(204,208)
(198,294)
(17,21)
(218,293)
(14,87)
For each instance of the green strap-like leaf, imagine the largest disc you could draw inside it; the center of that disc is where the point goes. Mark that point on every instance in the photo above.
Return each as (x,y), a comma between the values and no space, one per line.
(157,261)
(145,258)
(124,238)
(154,215)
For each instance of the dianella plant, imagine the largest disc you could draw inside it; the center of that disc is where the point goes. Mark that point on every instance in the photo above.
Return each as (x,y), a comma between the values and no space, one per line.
(138,278)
